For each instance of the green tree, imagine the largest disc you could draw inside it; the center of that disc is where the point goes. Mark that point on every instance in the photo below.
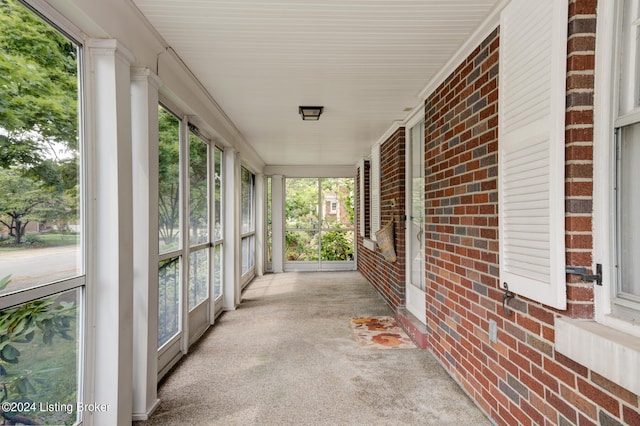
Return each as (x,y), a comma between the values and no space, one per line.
(198,190)
(301,203)
(169,170)
(38,121)
(23,200)
(38,92)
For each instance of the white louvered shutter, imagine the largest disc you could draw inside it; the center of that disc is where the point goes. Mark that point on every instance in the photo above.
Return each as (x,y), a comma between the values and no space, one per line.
(375,190)
(362,195)
(533,38)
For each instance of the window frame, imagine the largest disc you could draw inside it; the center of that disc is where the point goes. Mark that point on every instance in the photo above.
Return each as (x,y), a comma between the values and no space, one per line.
(195,247)
(80,282)
(375,191)
(248,235)
(610,309)
(217,240)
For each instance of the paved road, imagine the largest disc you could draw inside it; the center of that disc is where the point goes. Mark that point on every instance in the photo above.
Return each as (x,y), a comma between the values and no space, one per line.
(39,266)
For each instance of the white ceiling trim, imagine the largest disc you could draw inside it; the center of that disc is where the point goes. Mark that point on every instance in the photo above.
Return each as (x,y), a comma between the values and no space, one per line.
(395,126)
(415,116)
(489,24)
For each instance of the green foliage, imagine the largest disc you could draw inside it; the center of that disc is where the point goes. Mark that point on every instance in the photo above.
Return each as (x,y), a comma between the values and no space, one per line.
(23,200)
(38,121)
(336,246)
(32,239)
(302,202)
(301,246)
(4,282)
(169,170)
(38,87)
(198,190)
(306,201)
(21,325)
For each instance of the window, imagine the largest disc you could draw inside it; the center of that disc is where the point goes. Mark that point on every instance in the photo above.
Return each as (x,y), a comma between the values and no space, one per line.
(609,345)
(369,194)
(625,172)
(333,209)
(42,226)
(375,191)
(169,223)
(248,229)
(217,223)
(198,220)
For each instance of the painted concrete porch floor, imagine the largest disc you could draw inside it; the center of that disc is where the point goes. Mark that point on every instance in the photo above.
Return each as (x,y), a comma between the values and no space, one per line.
(287,356)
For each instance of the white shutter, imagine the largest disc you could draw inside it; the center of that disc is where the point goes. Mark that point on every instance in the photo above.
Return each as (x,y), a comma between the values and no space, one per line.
(533,39)
(362,211)
(375,190)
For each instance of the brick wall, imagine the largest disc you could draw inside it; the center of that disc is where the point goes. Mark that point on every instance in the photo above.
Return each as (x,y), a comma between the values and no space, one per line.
(520,379)
(388,278)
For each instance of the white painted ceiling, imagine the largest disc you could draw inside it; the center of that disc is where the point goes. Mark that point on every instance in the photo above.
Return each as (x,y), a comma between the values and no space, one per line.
(365,61)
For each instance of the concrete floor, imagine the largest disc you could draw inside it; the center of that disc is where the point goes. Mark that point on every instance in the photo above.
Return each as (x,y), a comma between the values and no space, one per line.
(287,356)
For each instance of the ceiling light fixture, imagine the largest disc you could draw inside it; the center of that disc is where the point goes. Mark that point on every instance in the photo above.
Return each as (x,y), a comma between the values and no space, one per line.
(310,113)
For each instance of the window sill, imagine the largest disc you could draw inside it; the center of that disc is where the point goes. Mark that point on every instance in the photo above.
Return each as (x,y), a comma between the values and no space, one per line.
(605,350)
(369,244)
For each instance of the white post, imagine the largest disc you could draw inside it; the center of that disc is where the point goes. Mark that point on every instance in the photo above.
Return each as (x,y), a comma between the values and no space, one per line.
(232,211)
(260,224)
(144,130)
(110,267)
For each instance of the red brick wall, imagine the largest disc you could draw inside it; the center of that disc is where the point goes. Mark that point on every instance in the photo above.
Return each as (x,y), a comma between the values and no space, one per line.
(388,278)
(520,379)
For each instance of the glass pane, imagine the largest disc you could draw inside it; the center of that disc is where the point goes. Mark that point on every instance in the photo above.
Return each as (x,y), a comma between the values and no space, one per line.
(301,245)
(417,220)
(630,58)
(40,221)
(337,245)
(337,202)
(628,208)
(168,299)
(301,209)
(198,191)
(217,271)
(198,277)
(169,185)
(217,194)
(248,254)
(39,359)
(247,201)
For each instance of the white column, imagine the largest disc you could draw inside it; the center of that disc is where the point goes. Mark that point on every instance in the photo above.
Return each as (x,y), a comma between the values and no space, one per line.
(277,223)
(260,224)
(144,131)
(232,246)
(110,267)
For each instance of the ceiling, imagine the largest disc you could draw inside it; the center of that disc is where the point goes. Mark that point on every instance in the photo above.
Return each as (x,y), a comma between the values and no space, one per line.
(365,61)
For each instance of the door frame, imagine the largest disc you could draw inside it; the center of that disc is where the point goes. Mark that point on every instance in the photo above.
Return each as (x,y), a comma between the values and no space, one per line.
(415,301)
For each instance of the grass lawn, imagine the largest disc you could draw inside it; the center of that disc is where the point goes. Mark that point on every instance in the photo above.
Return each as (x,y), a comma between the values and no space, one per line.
(40,240)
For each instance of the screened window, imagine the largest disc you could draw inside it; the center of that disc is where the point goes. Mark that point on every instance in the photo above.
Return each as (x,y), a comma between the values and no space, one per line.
(248,220)
(217,222)
(42,238)
(169,222)
(198,221)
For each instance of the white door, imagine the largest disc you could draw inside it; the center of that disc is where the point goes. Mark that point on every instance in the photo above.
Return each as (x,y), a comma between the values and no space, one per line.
(415,291)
